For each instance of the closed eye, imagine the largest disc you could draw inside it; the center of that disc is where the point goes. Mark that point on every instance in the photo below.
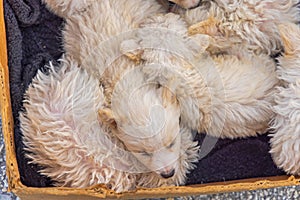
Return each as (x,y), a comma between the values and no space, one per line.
(144,153)
(171,145)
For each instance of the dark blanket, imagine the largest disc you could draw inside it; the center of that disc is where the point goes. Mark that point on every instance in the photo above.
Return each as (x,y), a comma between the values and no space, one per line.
(34,38)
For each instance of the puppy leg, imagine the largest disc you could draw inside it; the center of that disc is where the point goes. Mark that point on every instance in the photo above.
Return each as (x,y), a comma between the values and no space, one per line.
(248,89)
(285,142)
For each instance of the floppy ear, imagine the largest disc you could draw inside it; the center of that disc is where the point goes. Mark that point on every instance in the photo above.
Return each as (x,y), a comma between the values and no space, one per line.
(199,43)
(168,96)
(132,49)
(106,117)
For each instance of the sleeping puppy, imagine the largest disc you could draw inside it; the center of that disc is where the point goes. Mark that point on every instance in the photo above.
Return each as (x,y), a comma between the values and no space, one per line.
(62,134)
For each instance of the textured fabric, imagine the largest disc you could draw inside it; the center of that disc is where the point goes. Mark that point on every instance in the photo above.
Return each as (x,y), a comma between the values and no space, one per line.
(34,38)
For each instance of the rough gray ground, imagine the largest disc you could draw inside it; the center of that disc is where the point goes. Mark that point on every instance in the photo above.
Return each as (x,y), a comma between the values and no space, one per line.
(269,194)
(3,182)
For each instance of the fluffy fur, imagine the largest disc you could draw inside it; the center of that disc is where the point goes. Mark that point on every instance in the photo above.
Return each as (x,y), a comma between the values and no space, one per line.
(62,134)
(206,86)
(93,39)
(286,125)
(252,23)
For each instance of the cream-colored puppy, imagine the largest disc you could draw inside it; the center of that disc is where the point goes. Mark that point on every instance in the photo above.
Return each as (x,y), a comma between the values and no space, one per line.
(147,117)
(63,135)
(286,124)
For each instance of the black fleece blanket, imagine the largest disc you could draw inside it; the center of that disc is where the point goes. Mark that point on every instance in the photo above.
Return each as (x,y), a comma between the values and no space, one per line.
(34,39)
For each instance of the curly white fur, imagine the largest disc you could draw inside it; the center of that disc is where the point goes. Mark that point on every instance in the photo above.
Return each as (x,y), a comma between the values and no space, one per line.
(252,23)
(285,143)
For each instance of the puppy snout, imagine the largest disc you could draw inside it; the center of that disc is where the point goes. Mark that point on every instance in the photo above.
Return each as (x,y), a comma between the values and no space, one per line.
(168,174)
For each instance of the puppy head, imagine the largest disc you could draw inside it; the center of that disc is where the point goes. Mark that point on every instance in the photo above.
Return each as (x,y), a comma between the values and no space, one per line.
(147,122)
(155,140)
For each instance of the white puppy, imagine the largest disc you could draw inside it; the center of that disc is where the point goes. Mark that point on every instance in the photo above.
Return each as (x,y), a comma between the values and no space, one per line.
(62,134)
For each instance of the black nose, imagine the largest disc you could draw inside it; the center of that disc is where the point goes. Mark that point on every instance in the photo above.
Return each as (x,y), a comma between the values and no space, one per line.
(168,174)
